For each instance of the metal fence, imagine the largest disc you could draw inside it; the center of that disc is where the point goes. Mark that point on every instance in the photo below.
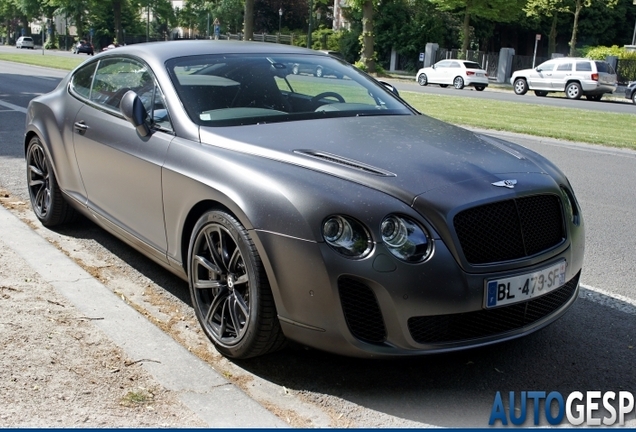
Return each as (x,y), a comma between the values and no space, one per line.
(525,62)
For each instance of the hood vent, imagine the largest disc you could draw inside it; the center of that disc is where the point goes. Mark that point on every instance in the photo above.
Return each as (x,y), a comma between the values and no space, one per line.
(349,163)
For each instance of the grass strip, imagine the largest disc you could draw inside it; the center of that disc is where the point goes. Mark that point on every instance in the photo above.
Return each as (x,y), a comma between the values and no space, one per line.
(51,61)
(596,127)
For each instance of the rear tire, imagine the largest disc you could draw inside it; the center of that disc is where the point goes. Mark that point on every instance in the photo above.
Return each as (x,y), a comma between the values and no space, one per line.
(573,91)
(634,98)
(229,288)
(520,86)
(47,200)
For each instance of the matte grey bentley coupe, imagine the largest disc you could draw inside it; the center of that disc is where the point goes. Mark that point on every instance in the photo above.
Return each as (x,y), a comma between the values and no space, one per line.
(321,210)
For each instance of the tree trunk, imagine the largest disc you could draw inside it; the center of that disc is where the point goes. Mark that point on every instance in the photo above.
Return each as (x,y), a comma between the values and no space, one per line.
(367,36)
(466,30)
(552,36)
(79,25)
(248,23)
(117,20)
(577,11)
(25,25)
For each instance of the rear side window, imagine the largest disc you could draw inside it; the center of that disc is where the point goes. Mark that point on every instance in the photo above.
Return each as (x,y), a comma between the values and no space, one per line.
(472,65)
(83,79)
(584,66)
(604,67)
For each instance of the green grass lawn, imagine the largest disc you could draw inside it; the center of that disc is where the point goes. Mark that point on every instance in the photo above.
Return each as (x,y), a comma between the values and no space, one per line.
(56,62)
(597,127)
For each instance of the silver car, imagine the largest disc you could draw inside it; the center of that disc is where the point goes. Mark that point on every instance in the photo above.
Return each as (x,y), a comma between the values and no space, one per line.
(324,211)
(574,76)
(24,42)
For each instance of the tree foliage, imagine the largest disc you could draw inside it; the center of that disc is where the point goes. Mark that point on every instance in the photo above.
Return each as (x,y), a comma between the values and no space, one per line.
(493,10)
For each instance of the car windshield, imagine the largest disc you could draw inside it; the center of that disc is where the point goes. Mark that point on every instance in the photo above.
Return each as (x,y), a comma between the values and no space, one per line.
(225,90)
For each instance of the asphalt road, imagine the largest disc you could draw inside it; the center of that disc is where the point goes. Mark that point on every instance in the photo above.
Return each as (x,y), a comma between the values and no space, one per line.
(593,347)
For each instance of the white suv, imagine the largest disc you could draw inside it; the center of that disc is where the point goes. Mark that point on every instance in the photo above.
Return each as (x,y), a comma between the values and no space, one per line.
(575,76)
(24,42)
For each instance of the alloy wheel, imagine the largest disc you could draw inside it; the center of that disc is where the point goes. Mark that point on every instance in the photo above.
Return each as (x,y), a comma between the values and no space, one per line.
(221,285)
(39,181)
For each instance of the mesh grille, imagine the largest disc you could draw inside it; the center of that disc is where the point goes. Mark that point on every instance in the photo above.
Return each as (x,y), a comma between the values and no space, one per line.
(488,322)
(511,229)
(361,310)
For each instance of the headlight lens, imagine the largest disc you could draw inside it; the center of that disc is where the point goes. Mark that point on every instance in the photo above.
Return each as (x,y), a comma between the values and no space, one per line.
(347,236)
(405,239)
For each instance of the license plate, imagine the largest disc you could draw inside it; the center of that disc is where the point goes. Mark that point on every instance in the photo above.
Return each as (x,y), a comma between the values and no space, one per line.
(479,74)
(515,289)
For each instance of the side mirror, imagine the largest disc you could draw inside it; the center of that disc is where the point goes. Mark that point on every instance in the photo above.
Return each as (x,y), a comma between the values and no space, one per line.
(134,111)
(391,88)
(538,69)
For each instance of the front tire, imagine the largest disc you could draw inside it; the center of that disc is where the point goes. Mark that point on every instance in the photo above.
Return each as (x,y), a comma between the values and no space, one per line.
(541,93)
(634,98)
(573,91)
(47,200)
(229,288)
(520,86)
(479,88)
(422,79)
(458,83)
(595,98)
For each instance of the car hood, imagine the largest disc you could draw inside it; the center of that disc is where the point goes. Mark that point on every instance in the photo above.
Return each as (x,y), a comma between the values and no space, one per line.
(404,156)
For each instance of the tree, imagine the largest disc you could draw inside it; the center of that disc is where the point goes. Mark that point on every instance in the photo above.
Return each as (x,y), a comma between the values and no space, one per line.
(553,7)
(367,54)
(248,20)
(494,10)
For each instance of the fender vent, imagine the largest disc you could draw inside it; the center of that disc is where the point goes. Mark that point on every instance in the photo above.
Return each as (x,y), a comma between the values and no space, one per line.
(349,163)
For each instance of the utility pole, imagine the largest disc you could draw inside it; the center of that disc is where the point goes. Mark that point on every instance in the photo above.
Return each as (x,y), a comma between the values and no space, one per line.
(311,15)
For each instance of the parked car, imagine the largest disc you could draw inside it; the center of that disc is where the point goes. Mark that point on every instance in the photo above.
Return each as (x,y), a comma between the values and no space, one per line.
(458,73)
(574,76)
(24,42)
(326,212)
(83,47)
(317,70)
(630,91)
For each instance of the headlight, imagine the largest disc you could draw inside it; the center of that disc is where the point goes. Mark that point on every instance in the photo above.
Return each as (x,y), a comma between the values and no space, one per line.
(571,209)
(405,239)
(347,236)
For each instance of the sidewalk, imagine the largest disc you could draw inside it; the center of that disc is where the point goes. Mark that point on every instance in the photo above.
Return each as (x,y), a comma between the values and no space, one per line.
(75,354)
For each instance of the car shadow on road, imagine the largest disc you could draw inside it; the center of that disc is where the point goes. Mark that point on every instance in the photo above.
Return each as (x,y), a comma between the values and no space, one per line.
(593,347)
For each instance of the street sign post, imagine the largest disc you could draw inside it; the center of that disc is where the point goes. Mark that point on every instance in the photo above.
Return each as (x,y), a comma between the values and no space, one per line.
(537,38)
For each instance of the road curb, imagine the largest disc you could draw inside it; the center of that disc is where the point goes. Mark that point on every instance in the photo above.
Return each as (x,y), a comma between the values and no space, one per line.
(215,400)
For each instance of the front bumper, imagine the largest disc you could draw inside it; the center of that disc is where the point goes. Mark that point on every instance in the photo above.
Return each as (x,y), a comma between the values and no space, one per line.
(382,307)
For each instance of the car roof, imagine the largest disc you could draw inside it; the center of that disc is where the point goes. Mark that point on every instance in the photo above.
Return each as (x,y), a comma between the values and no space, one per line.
(163,51)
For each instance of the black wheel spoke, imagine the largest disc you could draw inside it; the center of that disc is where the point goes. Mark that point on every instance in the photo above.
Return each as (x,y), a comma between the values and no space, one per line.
(204,262)
(219,301)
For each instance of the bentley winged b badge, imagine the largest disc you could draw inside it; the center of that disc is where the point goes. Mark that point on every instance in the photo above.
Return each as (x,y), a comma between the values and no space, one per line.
(510,184)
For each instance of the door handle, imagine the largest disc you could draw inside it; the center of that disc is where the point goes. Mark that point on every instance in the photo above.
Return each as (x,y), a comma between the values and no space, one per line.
(80,126)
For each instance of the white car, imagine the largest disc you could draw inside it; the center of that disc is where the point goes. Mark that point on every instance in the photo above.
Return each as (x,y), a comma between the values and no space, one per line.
(574,76)
(458,73)
(24,42)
